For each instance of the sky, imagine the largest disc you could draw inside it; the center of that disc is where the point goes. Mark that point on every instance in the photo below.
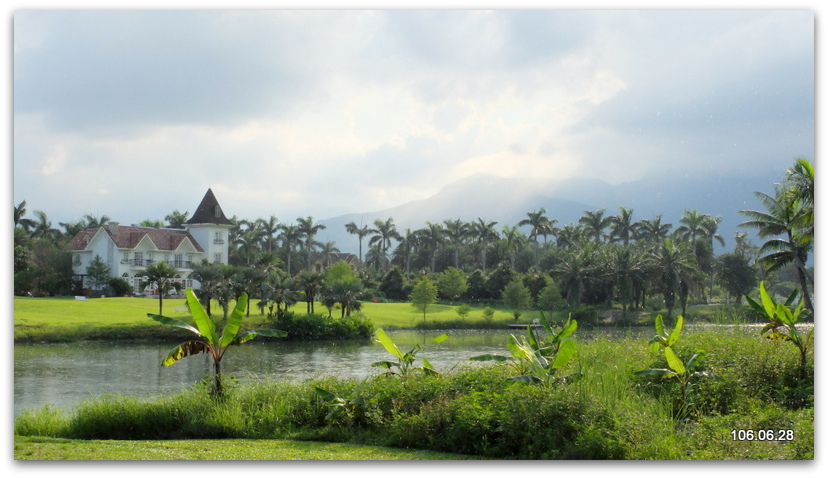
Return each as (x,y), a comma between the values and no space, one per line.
(134,114)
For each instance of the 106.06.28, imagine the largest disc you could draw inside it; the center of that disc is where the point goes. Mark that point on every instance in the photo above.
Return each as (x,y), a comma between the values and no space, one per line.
(762,435)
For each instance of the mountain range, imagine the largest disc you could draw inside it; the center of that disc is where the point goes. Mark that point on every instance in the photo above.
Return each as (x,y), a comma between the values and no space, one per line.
(508,200)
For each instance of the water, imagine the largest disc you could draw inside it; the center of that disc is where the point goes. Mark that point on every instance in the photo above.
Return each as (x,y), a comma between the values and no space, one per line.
(63,375)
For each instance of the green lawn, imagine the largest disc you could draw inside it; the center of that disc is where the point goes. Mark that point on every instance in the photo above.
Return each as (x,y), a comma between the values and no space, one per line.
(131,311)
(38,448)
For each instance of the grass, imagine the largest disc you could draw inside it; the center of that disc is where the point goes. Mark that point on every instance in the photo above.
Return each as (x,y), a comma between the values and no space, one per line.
(67,319)
(42,448)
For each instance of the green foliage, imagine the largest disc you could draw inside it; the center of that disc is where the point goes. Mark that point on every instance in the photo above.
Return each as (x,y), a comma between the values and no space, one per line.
(405,361)
(537,360)
(451,283)
(322,327)
(550,298)
(98,272)
(686,374)
(119,286)
(517,297)
(423,295)
(585,314)
(488,314)
(463,310)
(781,324)
(210,340)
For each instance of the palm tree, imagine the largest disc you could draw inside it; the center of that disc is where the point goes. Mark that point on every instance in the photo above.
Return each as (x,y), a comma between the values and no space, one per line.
(622,226)
(694,225)
(328,254)
(652,230)
(405,248)
(626,268)
(573,270)
(161,274)
(308,230)
(311,283)
(176,219)
(569,236)
(249,241)
(93,221)
(513,240)
(19,212)
(270,229)
(360,232)
(800,178)
(594,223)
(432,236)
(384,232)
(784,217)
(541,225)
(484,232)
(42,228)
(455,231)
(676,272)
(290,237)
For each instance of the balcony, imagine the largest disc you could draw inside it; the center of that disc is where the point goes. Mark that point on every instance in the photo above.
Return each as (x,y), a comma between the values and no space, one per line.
(218,241)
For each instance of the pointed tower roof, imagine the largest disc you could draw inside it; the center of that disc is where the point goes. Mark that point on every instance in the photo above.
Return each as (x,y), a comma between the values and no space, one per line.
(209,212)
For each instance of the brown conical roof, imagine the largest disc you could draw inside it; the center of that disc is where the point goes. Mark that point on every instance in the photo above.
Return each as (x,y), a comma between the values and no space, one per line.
(209,211)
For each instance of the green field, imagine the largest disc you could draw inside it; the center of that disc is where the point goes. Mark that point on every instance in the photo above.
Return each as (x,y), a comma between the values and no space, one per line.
(129,312)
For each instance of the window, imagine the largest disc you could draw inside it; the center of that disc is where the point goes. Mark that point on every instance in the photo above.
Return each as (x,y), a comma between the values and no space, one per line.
(178,263)
(76,260)
(125,258)
(219,239)
(139,259)
(218,211)
(217,258)
(150,260)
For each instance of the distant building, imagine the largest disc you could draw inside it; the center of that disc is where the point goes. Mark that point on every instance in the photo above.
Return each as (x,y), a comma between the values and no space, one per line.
(128,250)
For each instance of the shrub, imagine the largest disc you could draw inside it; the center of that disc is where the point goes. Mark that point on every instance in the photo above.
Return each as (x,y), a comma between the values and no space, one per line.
(585,314)
(322,327)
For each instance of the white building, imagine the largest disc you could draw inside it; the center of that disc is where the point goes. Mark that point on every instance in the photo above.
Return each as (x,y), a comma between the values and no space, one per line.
(128,250)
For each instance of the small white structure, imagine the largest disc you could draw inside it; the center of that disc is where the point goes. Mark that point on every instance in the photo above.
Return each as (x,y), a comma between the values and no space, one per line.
(128,250)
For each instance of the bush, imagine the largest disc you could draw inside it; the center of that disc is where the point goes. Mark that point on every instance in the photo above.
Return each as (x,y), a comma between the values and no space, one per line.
(321,327)
(585,314)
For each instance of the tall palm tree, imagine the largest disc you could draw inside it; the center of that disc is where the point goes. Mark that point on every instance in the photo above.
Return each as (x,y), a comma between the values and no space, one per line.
(290,236)
(19,212)
(432,237)
(456,232)
(541,225)
(94,221)
(270,230)
(569,236)
(405,248)
(676,271)
(484,233)
(513,240)
(309,229)
(384,232)
(43,229)
(594,223)
(693,226)
(328,253)
(623,227)
(652,230)
(783,218)
(575,267)
(360,231)
(249,241)
(800,179)
(312,284)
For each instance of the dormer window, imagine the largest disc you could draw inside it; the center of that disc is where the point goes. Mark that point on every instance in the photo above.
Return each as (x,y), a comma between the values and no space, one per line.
(218,211)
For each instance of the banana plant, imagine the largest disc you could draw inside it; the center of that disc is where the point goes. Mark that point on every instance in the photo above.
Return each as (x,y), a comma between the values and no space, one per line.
(536,360)
(210,341)
(353,406)
(405,361)
(685,374)
(781,326)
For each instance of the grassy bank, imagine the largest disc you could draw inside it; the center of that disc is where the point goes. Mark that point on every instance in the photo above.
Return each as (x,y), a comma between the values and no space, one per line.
(609,414)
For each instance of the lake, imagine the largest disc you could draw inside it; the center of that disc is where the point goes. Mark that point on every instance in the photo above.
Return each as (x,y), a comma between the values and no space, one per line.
(64,375)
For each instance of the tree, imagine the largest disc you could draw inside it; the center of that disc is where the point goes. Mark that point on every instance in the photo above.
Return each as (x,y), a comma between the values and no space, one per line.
(290,237)
(270,230)
(451,283)
(432,236)
(384,232)
(594,223)
(513,241)
(312,284)
(623,228)
(148,223)
(210,341)
(550,298)
(652,230)
(455,232)
(423,295)
(360,232)
(736,275)
(160,274)
(540,225)
(791,238)
(517,297)
(19,220)
(98,272)
(176,219)
(308,230)
(484,233)
(676,273)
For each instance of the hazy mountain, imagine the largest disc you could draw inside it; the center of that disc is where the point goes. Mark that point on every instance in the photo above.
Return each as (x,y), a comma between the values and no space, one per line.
(507,201)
